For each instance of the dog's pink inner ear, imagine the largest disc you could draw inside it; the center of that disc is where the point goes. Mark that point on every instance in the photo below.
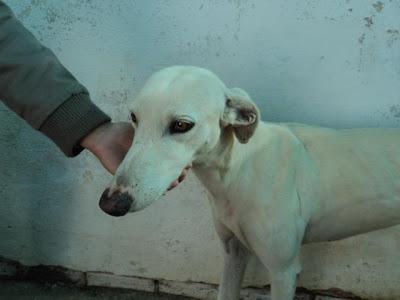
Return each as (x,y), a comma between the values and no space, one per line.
(241,114)
(247,116)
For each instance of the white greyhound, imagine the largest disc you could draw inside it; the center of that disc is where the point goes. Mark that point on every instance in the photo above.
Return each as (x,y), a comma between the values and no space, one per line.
(274,186)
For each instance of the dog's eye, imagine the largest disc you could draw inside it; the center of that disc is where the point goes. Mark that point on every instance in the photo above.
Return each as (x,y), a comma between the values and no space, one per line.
(180,126)
(133,118)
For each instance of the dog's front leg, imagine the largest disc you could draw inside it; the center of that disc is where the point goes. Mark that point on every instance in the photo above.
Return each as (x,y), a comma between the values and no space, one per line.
(235,262)
(283,283)
(277,245)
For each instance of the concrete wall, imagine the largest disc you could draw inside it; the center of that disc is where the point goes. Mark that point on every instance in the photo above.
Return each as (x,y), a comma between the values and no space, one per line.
(333,63)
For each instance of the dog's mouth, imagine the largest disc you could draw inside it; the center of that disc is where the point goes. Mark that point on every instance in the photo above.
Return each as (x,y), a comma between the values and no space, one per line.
(181,177)
(118,202)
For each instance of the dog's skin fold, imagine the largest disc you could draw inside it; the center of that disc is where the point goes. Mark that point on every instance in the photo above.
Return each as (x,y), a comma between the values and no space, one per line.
(274,186)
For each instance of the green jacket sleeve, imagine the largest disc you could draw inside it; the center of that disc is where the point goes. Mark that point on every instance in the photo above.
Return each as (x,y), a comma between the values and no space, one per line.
(35,85)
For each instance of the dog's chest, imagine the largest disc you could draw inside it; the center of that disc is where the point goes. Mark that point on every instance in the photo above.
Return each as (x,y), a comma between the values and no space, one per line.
(230,203)
(231,208)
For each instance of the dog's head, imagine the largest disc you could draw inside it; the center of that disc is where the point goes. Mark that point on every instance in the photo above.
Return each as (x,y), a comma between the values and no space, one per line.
(178,117)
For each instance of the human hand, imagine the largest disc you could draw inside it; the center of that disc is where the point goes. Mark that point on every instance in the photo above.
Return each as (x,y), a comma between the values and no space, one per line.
(109,143)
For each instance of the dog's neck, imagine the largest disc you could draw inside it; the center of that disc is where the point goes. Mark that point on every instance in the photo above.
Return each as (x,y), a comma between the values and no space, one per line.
(217,168)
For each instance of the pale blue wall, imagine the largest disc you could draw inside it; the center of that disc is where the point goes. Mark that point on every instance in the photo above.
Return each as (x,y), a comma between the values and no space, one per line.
(319,62)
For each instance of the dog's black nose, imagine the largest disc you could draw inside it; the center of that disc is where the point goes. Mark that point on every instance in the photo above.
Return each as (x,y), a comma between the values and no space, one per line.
(117,204)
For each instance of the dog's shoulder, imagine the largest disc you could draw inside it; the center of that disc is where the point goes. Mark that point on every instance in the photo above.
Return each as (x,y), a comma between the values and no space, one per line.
(278,139)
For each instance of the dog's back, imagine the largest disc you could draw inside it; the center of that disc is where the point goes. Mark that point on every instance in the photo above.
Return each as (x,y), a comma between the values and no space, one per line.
(358,180)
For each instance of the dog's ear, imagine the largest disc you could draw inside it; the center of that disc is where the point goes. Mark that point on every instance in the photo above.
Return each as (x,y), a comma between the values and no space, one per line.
(241,114)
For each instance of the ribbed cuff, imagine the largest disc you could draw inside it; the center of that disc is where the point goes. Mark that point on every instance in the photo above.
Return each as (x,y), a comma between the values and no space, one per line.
(72,121)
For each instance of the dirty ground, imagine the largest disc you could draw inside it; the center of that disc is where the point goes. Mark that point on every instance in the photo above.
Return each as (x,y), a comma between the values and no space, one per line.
(19,290)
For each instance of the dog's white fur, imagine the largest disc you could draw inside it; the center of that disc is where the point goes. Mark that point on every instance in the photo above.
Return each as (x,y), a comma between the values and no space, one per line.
(274,186)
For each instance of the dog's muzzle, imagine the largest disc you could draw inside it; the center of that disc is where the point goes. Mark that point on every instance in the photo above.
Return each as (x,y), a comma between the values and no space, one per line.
(117,204)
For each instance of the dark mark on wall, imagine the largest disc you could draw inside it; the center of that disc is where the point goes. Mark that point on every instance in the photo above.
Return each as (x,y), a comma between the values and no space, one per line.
(394,35)
(330,19)
(394,31)
(395,111)
(369,22)
(392,113)
(42,273)
(361,38)
(350,9)
(378,6)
